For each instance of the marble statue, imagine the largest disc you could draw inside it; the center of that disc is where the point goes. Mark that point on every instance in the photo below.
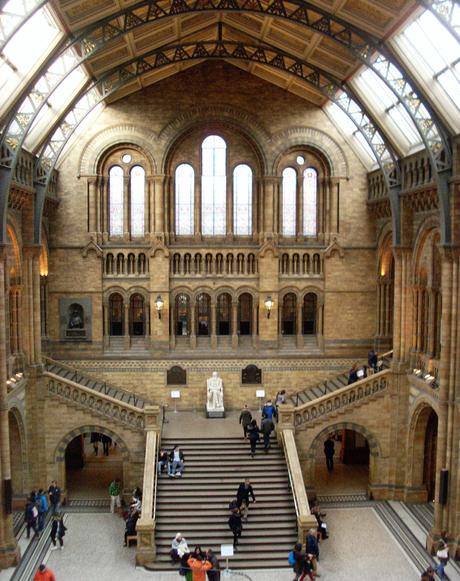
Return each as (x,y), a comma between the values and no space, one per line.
(215,396)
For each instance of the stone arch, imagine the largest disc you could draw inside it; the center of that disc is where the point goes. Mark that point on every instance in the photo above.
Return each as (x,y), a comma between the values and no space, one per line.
(138,290)
(235,118)
(111,137)
(115,289)
(312,290)
(418,424)
(207,290)
(286,290)
(425,229)
(19,463)
(59,454)
(374,445)
(313,138)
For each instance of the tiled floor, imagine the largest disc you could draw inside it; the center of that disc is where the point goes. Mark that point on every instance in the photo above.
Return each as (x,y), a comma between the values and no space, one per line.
(359,548)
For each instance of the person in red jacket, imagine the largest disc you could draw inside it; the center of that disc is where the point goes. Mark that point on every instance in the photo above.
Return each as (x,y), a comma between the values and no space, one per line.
(44,574)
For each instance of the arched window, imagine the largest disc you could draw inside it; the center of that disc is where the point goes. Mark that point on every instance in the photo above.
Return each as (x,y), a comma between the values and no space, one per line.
(213,186)
(136,314)
(116,314)
(242,200)
(289,201)
(137,183)
(182,315)
(309,314)
(288,315)
(245,314)
(224,312)
(116,200)
(310,187)
(185,188)
(203,310)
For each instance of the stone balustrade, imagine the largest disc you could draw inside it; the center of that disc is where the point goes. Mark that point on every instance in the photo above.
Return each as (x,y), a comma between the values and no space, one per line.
(341,399)
(99,403)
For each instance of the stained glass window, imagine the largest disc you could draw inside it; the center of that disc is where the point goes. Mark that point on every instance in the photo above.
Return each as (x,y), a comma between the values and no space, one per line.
(213,186)
(289,201)
(185,186)
(137,177)
(242,200)
(310,185)
(116,200)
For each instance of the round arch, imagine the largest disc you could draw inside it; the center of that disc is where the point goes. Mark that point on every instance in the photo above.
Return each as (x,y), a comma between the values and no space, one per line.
(421,453)
(59,453)
(374,445)
(19,463)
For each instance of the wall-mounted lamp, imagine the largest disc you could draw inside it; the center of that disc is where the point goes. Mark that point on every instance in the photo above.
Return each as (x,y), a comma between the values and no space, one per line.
(159,304)
(269,305)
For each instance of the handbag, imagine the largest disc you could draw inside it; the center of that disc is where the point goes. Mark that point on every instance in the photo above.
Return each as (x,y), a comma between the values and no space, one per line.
(443,554)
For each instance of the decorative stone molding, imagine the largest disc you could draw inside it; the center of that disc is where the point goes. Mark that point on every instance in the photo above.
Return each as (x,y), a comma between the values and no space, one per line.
(309,136)
(341,399)
(92,247)
(113,136)
(334,246)
(105,406)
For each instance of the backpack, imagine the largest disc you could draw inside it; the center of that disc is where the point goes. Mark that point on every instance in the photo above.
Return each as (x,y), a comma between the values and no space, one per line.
(291,558)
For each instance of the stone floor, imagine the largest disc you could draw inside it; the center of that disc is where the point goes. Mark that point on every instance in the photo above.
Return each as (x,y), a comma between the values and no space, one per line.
(360,547)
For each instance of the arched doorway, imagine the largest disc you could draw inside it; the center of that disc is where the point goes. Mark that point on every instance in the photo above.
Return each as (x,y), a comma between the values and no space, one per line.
(17,452)
(203,311)
(309,314)
(136,315)
(349,472)
(424,444)
(288,315)
(244,314)
(182,326)
(92,459)
(224,313)
(116,314)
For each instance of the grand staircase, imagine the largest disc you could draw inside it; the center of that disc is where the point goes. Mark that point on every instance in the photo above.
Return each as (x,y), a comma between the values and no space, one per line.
(330,385)
(197,504)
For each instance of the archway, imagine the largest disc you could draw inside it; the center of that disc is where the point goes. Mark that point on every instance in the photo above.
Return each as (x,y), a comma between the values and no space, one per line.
(244,314)
(224,314)
(355,450)
(309,314)
(203,314)
(424,444)
(136,315)
(91,457)
(116,314)
(288,315)
(17,453)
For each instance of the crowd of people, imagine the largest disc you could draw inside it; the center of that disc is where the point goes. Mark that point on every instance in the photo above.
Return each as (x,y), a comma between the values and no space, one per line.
(357,372)
(38,504)
(252,431)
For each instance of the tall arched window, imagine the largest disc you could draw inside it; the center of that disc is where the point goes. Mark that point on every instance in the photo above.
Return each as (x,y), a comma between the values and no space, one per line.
(185,187)
(137,183)
(116,200)
(310,187)
(242,200)
(289,201)
(213,186)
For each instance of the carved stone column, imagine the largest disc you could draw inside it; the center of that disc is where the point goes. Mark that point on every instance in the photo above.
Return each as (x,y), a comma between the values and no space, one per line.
(9,554)
(92,191)
(402,305)
(158,206)
(234,324)
(255,310)
(213,325)
(298,324)
(193,326)
(126,337)
(147,326)
(126,206)
(106,311)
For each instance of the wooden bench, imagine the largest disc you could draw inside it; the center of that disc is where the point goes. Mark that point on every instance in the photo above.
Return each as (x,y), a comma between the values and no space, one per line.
(131,539)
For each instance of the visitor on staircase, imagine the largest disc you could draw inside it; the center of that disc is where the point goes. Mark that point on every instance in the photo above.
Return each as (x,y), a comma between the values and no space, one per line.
(31,515)
(58,529)
(267,426)
(163,461)
(312,548)
(179,548)
(199,568)
(280,399)
(176,463)
(372,360)
(253,434)
(54,495)
(42,507)
(44,574)
(269,410)
(245,491)
(353,374)
(236,526)
(245,419)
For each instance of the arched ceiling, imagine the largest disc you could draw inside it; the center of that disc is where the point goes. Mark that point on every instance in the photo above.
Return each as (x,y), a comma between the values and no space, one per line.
(246,21)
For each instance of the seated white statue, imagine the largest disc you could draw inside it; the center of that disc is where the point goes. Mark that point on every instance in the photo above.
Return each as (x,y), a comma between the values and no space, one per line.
(215,399)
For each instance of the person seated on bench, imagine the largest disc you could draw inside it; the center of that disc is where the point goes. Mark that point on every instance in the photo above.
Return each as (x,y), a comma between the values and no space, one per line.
(130,529)
(176,463)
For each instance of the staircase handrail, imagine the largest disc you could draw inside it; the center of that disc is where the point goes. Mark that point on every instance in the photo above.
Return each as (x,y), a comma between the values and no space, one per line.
(305,520)
(139,403)
(343,390)
(96,402)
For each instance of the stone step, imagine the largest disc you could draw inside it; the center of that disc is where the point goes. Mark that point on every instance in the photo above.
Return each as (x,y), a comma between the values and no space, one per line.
(284,520)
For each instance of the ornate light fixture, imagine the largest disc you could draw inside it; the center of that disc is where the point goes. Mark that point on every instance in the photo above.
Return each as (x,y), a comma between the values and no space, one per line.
(269,305)
(159,304)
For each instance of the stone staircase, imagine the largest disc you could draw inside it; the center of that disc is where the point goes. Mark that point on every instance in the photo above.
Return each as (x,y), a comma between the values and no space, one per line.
(328,386)
(197,504)
(66,372)
(136,348)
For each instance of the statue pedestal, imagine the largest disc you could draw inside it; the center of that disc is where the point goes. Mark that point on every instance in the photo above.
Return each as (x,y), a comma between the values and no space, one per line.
(219,413)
